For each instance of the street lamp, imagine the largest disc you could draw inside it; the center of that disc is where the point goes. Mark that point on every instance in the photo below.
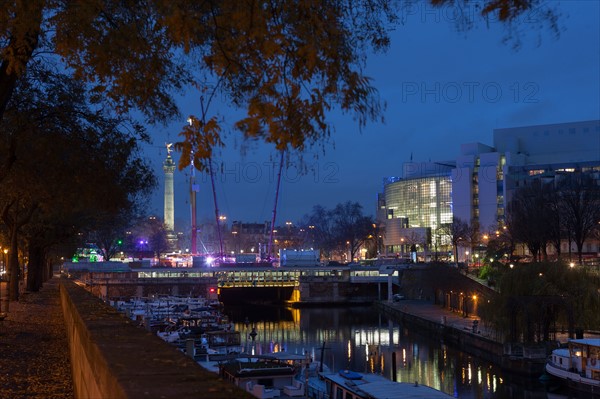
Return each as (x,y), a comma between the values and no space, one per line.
(402,248)
(5,260)
(348,257)
(3,300)
(235,241)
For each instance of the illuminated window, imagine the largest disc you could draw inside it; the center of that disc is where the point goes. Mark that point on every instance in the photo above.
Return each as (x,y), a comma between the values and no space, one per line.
(425,201)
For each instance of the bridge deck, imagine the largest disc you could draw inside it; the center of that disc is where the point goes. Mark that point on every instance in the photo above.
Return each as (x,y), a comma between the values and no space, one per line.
(240,275)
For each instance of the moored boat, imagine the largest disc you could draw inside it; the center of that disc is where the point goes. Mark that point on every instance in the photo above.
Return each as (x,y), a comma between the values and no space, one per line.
(578,365)
(347,383)
(265,376)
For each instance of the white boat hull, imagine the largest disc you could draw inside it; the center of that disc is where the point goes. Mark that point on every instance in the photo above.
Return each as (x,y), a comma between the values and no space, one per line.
(574,380)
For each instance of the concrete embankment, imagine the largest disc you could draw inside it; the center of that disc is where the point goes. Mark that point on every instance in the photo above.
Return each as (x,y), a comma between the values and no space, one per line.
(463,333)
(112,358)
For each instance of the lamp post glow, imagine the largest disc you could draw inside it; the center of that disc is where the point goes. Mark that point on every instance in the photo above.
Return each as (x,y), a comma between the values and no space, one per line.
(402,248)
(4,297)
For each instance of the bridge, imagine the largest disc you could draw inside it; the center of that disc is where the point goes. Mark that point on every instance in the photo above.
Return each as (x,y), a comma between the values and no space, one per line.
(297,284)
(266,276)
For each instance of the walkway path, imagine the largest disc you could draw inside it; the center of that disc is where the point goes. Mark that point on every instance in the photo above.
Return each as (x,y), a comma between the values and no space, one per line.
(34,353)
(430,311)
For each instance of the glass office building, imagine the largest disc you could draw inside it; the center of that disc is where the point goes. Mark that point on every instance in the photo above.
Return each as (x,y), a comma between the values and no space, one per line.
(416,206)
(423,202)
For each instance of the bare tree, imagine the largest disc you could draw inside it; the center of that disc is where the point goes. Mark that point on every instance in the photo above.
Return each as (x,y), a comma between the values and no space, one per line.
(457,231)
(319,228)
(529,216)
(580,205)
(351,226)
(343,229)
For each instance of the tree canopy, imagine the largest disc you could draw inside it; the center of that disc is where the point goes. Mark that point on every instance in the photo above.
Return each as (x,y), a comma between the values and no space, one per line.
(286,63)
(537,299)
(75,167)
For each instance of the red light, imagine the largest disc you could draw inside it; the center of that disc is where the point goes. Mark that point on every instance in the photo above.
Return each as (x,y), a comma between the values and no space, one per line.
(212,290)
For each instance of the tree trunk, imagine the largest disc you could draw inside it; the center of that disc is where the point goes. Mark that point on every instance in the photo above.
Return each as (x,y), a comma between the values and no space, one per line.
(456,254)
(580,251)
(13,267)
(35,272)
(48,270)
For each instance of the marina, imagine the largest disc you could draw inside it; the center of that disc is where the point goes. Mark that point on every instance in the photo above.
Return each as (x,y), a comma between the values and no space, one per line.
(230,338)
(364,341)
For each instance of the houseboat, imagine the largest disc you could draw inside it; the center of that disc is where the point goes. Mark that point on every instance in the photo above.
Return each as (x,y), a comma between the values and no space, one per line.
(578,365)
(352,384)
(265,376)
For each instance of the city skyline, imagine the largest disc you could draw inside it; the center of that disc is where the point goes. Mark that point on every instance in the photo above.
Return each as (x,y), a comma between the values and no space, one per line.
(442,88)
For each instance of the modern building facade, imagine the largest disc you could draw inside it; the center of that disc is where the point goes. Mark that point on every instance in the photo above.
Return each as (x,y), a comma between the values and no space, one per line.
(477,185)
(485,177)
(415,205)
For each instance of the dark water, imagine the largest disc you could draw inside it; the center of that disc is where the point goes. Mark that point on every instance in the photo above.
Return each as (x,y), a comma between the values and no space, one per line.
(361,339)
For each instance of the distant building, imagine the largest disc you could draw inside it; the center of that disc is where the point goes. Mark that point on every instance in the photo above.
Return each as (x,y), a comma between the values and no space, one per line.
(477,186)
(249,237)
(485,177)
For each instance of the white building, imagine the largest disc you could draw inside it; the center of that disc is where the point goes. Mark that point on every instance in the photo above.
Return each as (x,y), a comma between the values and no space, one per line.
(477,186)
(485,177)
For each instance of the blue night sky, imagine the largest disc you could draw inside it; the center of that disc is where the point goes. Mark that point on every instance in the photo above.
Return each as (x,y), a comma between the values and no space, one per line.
(442,88)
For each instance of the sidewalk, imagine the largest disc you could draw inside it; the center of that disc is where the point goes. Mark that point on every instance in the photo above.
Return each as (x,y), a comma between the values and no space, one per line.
(34,352)
(430,311)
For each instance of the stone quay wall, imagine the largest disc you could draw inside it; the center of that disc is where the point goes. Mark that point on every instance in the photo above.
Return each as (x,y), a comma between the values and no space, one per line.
(467,341)
(472,343)
(112,358)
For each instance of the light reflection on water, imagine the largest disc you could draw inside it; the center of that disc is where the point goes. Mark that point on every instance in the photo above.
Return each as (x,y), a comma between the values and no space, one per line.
(360,339)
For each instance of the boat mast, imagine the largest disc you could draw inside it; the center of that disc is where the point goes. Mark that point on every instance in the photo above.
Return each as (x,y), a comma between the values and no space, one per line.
(322,357)
(275,207)
(193,190)
(204,109)
(212,180)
